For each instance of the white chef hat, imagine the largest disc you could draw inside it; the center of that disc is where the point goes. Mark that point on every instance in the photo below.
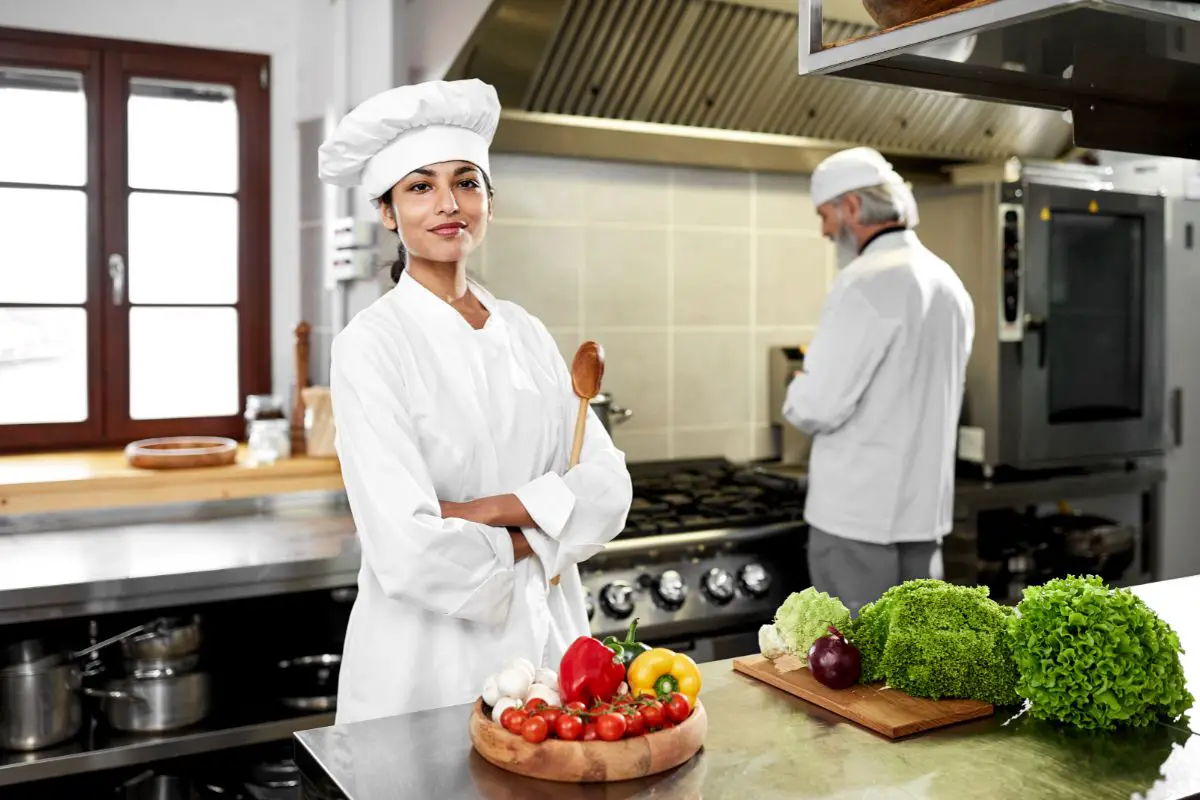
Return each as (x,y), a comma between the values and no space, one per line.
(860,168)
(409,127)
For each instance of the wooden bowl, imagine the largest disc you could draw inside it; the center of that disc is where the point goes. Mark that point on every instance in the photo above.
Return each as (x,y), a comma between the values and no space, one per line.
(589,762)
(181,452)
(892,13)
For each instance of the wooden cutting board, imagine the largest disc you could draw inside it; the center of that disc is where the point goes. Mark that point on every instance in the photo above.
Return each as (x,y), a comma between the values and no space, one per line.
(888,711)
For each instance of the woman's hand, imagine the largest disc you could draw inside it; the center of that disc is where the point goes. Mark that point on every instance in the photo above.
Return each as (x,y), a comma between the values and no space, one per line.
(499,511)
(520,544)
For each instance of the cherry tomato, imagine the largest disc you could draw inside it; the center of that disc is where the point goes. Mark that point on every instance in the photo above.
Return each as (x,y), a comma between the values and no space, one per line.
(635,723)
(535,730)
(568,728)
(504,715)
(576,705)
(678,708)
(516,721)
(601,707)
(668,725)
(550,714)
(533,705)
(589,732)
(610,727)
(652,715)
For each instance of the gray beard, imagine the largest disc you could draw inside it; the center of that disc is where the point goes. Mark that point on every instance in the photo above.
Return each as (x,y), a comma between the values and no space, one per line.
(847,248)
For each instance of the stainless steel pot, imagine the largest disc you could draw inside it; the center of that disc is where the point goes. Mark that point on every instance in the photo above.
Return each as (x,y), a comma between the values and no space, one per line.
(610,415)
(152,705)
(167,639)
(39,704)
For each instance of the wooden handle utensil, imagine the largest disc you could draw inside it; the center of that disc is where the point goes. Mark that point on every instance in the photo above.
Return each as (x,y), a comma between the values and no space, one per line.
(587,373)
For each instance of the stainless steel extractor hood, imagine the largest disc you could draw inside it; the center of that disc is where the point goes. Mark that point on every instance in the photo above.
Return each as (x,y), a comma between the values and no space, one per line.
(715,83)
(1128,71)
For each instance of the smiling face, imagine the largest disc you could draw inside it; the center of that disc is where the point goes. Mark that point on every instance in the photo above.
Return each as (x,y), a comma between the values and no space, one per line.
(441,211)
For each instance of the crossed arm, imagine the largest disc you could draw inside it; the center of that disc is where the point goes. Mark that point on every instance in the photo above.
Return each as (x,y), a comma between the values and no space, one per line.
(499,511)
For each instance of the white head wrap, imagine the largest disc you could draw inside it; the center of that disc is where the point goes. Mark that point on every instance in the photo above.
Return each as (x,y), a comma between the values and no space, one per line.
(860,168)
(409,127)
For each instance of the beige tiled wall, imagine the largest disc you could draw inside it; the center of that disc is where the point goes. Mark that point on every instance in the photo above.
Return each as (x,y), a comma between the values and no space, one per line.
(686,276)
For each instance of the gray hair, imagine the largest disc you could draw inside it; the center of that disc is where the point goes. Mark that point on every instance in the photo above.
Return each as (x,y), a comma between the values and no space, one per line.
(880,204)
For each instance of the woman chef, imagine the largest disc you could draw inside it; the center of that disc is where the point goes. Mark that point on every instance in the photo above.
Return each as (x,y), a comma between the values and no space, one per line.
(454,415)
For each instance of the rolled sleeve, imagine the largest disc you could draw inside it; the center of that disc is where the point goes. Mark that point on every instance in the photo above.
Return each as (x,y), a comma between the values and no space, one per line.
(549,502)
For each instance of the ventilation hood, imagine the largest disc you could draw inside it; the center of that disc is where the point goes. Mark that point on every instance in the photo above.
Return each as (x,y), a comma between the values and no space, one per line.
(1127,71)
(715,83)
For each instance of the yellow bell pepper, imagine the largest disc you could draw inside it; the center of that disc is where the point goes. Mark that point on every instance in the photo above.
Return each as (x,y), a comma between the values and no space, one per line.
(659,672)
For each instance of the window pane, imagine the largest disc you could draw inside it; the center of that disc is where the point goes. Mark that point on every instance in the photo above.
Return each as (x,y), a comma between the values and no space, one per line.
(43,138)
(200,269)
(183,362)
(43,365)
(43,246)
(182,136)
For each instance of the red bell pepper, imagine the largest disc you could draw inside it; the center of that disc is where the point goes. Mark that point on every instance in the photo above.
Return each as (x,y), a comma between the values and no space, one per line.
(589,671)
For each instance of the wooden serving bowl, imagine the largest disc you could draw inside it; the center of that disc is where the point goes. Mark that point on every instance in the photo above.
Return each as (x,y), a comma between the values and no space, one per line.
(181,452)
(589,762)
(892,13)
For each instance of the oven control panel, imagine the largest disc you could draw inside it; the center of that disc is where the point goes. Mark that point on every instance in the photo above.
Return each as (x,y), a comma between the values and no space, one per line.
(669,597)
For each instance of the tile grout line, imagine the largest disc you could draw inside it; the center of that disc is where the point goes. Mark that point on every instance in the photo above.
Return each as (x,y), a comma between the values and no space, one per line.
(753,302)
(671,189)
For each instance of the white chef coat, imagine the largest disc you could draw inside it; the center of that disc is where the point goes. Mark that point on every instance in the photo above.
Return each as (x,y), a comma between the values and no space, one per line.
(428,409)
(881,393)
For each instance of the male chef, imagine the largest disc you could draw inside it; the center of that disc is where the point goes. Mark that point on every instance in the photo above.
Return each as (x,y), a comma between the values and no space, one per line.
(881,387)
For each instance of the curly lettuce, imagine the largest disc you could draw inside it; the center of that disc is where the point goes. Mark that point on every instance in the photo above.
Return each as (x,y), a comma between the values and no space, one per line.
(806,616)
(1096,657)
(929,638)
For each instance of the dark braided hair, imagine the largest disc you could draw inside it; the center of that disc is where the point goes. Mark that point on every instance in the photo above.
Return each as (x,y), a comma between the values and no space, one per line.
(397,268)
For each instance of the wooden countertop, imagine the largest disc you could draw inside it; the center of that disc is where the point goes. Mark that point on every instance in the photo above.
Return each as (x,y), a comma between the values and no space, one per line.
(71,481)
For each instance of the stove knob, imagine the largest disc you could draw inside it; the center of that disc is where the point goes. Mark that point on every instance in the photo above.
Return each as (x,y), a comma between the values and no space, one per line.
(755,580)
(718,585)
(589,603)
(670,590)
(617,599)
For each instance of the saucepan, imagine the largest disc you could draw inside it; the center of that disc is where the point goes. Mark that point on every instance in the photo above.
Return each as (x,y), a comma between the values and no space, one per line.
(610,415)
(40,703)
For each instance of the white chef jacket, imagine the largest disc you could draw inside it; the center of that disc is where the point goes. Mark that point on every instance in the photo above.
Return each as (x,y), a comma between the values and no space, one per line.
(881,393)
(427,409)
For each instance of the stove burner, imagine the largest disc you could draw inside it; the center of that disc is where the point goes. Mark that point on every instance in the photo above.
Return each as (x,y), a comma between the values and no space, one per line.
(706,495)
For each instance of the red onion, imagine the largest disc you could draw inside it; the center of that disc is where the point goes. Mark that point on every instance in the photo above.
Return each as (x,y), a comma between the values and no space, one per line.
(834,661)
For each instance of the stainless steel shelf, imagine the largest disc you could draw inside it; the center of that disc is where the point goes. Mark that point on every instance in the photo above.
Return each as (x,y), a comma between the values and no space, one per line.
(128,750)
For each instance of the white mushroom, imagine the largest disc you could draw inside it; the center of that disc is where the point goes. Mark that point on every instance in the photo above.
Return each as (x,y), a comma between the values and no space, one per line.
(502,705)
(546,677)
(543,691)
(513,682)
(491,692)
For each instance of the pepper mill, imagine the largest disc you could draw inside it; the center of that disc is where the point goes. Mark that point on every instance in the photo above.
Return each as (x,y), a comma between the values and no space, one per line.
(297,427)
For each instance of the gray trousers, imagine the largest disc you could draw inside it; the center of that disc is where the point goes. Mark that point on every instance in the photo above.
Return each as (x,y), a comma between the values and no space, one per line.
(858,572)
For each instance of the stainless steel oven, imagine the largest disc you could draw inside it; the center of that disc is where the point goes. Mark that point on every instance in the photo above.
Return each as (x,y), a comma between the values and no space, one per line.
(1067,273)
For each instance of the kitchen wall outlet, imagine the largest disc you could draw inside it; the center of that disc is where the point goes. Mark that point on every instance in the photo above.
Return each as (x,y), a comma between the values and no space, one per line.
(354,253)
(352,265)
(349,233)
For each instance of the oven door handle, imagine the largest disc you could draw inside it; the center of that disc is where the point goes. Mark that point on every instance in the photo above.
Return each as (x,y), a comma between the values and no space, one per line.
(1038,325)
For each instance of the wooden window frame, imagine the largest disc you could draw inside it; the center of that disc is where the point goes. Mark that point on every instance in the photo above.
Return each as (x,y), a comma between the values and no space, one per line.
(106,66)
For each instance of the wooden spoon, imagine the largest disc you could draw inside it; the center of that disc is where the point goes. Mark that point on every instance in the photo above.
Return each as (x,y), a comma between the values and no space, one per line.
(587,372)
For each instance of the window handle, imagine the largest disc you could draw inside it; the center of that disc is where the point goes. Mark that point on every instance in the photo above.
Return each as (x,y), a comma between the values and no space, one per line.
(116,274)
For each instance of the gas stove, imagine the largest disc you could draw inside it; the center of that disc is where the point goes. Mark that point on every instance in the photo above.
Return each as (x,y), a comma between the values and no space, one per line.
(678,497)
(709,551)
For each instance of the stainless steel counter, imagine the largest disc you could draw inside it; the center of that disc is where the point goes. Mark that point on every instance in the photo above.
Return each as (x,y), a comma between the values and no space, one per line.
(764,743)
(237,551)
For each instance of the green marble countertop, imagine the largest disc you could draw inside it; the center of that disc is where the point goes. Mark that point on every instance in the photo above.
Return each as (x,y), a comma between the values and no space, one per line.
(762,743)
